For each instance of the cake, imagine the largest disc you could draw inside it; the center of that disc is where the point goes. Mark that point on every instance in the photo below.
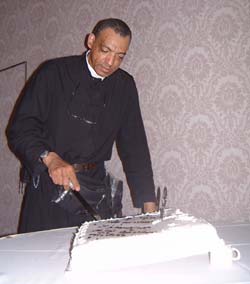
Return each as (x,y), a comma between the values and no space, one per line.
(114,244)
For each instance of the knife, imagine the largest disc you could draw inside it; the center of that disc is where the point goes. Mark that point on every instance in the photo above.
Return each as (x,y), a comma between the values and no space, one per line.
(158,197)
(81,199)
(164,202)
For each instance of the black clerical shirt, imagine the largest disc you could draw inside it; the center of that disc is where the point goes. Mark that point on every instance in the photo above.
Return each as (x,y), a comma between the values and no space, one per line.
(65,110)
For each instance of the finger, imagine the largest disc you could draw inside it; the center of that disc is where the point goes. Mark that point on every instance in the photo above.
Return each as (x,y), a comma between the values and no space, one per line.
(67,183)
(65,180)
(56,177)
(66,187)
(74,184)
(71,184)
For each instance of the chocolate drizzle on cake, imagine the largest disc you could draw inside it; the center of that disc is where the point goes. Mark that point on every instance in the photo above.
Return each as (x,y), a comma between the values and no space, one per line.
(128,226)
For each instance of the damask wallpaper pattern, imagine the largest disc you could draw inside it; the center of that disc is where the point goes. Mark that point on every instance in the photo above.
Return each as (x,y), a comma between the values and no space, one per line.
(191,62)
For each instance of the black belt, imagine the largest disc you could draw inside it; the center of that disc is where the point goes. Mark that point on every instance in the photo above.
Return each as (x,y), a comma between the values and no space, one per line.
(84,167)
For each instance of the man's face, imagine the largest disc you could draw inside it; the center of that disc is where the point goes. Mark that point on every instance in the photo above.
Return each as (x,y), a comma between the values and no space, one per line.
(107,51)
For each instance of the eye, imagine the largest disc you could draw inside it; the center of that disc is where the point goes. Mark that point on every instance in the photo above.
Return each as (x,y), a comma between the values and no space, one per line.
(121,56)
(105,50)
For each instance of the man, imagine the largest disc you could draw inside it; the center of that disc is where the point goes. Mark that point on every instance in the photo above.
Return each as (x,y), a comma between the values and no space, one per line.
(72,111)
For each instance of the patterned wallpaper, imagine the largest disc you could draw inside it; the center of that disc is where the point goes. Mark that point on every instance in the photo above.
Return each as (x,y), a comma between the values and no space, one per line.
(191,62)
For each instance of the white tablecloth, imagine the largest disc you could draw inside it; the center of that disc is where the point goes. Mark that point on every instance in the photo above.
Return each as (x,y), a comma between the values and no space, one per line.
(42,257)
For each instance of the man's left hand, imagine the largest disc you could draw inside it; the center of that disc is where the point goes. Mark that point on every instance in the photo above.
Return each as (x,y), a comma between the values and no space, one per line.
(149,207)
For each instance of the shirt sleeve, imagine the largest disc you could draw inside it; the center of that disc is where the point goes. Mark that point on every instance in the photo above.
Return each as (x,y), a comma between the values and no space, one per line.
(27,136)
(133,151)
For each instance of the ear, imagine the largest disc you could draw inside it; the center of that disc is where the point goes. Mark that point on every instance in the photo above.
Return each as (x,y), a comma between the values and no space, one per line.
(90,41)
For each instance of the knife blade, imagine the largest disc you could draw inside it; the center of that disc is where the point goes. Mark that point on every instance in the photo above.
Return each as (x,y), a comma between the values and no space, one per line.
(164,202)
(80,198)
(158,197)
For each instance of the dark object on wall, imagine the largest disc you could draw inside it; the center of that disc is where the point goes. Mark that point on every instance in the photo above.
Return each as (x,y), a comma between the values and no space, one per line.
(15,65)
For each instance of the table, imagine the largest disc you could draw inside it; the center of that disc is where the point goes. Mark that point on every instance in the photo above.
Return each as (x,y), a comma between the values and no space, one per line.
(41,258)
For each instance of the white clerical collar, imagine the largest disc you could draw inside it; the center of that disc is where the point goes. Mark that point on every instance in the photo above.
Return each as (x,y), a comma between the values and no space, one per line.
(91,69)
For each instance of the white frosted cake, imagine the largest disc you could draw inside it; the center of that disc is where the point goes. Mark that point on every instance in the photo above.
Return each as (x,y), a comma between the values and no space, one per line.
(115,244)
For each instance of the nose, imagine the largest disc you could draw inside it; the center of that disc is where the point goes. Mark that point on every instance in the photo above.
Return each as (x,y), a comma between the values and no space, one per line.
(110,59)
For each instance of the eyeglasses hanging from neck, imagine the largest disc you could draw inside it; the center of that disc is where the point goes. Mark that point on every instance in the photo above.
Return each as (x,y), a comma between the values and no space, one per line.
(83,105)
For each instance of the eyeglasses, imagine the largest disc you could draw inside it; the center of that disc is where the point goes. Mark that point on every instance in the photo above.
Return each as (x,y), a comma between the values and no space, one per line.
(77,110)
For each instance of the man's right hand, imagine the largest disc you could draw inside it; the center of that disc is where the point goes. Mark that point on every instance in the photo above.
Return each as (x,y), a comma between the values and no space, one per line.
(61,172)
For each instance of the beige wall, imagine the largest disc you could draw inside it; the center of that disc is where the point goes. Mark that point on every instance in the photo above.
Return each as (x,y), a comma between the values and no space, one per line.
(191,61)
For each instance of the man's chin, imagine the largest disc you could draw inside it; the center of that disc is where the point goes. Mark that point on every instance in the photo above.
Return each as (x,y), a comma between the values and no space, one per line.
(104,72)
